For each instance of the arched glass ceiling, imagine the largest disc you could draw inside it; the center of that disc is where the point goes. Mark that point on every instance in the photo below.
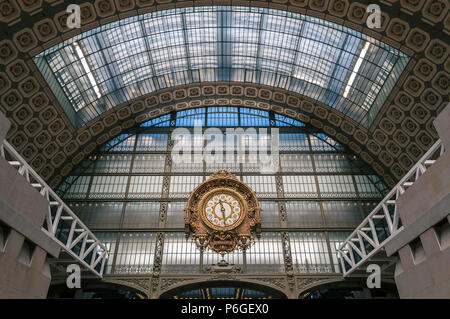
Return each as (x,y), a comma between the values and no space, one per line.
(101,68)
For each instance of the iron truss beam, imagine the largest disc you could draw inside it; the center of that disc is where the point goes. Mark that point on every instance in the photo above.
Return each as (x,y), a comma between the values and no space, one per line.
(366,243)
(60,223)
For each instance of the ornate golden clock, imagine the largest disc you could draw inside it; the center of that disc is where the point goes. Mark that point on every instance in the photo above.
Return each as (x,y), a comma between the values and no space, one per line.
(222,213)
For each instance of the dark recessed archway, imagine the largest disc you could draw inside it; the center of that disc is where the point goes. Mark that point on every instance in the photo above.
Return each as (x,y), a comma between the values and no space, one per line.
(95,290)
(218,289)
(350,289)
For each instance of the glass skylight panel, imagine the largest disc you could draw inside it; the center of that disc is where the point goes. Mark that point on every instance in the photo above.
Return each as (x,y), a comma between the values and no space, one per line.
(250,117)
(158,122)
(224,116)
(109,65)
(192,117)
(286,121)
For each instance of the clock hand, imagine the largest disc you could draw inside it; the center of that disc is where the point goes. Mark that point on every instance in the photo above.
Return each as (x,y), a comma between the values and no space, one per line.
(222,209)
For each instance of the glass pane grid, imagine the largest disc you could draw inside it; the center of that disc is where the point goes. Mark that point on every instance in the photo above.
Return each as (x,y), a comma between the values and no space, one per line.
(122,191)
(141,215)
(98,214)
(180,255)
(109,65)
(344,214)
(296,163)
(269,214)
(109,240)
(145,187)
(309,252)
(115,163)
(304,214)
(135,253)
(175,215)
(266,255)
(336,240)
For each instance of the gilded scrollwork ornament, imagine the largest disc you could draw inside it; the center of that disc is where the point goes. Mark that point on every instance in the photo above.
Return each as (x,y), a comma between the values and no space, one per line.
(223,214)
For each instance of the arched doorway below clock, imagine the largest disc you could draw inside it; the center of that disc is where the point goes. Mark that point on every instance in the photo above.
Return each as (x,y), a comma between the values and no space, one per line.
(223,290)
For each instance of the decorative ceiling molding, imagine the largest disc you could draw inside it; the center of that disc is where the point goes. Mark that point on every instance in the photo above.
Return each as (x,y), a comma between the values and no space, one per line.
(375,150)
(400,134)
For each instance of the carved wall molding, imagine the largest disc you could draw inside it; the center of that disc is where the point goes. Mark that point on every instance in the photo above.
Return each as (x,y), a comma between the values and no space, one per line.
(140,283)
(304,284)
(278,282)
(168,282)
(173,282)
(302,110)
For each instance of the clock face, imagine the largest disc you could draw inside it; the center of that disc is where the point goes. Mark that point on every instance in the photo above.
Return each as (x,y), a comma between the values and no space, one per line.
(223,210)
(222,213)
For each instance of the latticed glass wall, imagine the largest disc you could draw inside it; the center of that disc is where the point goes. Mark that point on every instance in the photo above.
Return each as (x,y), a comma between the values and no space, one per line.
(132,193)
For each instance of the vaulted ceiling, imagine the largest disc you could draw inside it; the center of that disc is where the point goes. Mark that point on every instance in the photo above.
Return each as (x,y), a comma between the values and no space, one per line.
(99,69)
(400,133)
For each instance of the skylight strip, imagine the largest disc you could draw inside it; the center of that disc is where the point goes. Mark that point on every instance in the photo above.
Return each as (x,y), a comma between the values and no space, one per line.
(356,69)
(87,69)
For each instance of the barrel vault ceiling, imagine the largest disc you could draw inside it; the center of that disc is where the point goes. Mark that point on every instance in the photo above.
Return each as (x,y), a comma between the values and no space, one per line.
(401,133)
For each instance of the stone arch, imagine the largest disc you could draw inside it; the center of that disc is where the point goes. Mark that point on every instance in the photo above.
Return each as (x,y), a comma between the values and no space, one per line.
(318,115)
(199,283)
(401,133)
(130,284)
(140,284)
(344,282)
(318,284)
